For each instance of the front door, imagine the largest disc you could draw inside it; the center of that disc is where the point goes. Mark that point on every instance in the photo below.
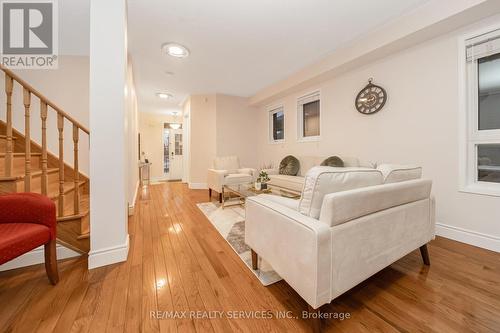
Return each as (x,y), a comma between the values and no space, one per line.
(175,152)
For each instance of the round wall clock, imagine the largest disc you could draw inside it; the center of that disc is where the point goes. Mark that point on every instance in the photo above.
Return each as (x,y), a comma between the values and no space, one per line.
(371,98)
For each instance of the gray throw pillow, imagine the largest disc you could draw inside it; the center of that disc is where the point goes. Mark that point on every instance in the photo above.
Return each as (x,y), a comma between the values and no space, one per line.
(333,161)
(289,166)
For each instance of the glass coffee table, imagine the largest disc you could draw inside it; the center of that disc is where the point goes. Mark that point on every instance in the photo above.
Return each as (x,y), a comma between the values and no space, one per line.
(237,193)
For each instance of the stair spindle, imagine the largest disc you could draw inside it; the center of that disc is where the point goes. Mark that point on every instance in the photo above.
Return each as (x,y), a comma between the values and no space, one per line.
(9,84)
(76,172)
(60,127)
(27,134)
(43,116)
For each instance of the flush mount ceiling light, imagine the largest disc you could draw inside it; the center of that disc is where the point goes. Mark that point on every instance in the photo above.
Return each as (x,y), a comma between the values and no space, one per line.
(163,95)
(175,50)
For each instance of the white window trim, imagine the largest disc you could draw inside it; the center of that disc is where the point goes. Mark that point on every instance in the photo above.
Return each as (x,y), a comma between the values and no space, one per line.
(469,135)
(270,111)
(300,118)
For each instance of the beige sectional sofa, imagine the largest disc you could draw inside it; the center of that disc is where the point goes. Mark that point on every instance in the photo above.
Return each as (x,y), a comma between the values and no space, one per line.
(391,172)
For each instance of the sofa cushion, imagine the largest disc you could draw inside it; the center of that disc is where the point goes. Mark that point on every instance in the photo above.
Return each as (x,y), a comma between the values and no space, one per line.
(19,238)
(289,166)
(322,180)
(333,161)
(229,163)
(394,173)
(237,178)
(294,183)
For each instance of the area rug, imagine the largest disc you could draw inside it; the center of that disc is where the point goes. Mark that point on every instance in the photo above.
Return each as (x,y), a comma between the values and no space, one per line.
(230,223)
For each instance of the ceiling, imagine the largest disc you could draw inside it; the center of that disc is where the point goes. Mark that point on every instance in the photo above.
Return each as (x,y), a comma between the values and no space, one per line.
(240,47)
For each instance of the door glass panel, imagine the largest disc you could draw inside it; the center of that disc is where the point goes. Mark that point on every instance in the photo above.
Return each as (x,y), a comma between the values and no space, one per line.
(489,92)
(178,144)
(488,163)
(166,150)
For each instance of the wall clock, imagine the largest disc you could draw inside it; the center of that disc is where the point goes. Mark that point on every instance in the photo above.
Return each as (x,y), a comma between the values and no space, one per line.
(371,98)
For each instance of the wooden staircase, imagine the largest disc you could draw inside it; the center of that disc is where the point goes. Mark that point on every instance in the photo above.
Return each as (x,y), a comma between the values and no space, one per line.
(26,166)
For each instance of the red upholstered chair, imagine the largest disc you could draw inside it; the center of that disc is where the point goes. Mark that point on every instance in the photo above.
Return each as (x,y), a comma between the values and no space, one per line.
(28,220)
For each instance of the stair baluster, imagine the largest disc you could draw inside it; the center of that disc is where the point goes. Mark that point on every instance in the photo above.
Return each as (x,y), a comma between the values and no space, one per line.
(43,116)
(27,134)
(60,128)
(76,172)
(9,83)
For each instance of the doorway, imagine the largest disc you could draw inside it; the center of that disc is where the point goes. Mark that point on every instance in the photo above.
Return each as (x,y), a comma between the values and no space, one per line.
(172,152)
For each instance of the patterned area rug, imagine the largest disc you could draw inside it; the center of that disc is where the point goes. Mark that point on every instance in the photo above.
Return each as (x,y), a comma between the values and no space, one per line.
(230,222)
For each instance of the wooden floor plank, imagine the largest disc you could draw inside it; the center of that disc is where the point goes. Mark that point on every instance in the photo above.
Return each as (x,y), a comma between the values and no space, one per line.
(178,262)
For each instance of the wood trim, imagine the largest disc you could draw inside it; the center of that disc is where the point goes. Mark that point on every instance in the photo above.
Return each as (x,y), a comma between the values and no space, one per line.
(43,116)
(35,92)
(27,136)
(76,173)
(60,128)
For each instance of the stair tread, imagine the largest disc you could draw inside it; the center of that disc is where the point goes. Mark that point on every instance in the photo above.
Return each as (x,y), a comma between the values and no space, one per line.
(53,188)
(5,137)
(21,154)
(19,173)
(84,207)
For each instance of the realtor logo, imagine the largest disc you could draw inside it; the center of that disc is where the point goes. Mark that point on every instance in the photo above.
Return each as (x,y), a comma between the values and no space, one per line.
(29,34)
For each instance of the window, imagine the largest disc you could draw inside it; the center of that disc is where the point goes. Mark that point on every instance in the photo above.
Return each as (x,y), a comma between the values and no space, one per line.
(277,124)
(309,117)
(481,164)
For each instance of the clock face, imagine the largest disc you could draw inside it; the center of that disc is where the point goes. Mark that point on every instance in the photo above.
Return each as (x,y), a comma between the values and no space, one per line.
(371,99)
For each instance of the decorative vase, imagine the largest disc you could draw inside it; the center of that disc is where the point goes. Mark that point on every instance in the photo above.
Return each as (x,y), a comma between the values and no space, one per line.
(263,186)
(257,186)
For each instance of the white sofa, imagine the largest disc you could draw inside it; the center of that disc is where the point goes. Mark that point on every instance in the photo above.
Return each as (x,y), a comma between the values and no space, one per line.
(227,171)
(295,183)
(349,224)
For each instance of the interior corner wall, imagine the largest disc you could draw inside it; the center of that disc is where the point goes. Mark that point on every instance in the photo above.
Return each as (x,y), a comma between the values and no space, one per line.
(203,129)
(132,129)
(418,125)
(236,125)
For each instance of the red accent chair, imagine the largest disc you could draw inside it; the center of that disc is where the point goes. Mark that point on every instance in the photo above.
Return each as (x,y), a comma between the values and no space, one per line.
(27,221)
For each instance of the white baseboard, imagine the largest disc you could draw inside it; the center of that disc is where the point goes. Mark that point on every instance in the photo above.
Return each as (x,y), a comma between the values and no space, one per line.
(469,237)
(131,206)
(108,256)
(36,256)
(198,186)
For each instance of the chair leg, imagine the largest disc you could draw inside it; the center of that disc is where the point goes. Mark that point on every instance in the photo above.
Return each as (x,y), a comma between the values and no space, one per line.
(51,262)
(315,319)
(425,254)
(255,260)
(210,194)
(220,198)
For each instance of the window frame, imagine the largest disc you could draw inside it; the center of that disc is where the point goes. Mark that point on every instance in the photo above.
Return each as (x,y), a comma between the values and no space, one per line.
(271,111)
(300,117)
(469,134)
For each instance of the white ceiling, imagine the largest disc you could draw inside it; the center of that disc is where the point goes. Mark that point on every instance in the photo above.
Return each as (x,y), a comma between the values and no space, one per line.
(239,47)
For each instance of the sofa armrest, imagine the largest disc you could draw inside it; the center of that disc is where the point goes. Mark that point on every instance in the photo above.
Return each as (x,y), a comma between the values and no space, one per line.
(297,247)
(215,179)
(283,201)
(271,171)
(28,208)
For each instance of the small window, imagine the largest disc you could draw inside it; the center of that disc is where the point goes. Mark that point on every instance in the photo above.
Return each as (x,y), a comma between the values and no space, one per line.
(277,124)
(480,167)
(309,117)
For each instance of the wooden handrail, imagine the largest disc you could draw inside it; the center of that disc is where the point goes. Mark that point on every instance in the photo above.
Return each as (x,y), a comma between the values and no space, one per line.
(35,92)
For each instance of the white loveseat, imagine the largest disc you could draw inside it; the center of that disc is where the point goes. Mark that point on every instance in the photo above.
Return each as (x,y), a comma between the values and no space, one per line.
(349,224)
(295,183)
(227,171)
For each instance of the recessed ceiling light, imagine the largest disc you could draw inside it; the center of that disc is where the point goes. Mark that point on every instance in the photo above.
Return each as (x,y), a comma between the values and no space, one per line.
(169,73)
(175,50)
(164,95)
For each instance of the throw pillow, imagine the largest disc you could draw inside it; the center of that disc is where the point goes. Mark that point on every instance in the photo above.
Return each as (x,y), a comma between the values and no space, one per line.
(290,166)
(333,161)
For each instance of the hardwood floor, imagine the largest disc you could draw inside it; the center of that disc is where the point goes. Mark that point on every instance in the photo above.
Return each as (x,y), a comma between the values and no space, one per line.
(179,262)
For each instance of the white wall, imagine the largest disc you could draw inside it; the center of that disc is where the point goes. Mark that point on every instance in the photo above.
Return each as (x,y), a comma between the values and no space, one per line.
(419,124)
(236,129)
(132,129)
(109,241)
(151,129)
(68,88)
